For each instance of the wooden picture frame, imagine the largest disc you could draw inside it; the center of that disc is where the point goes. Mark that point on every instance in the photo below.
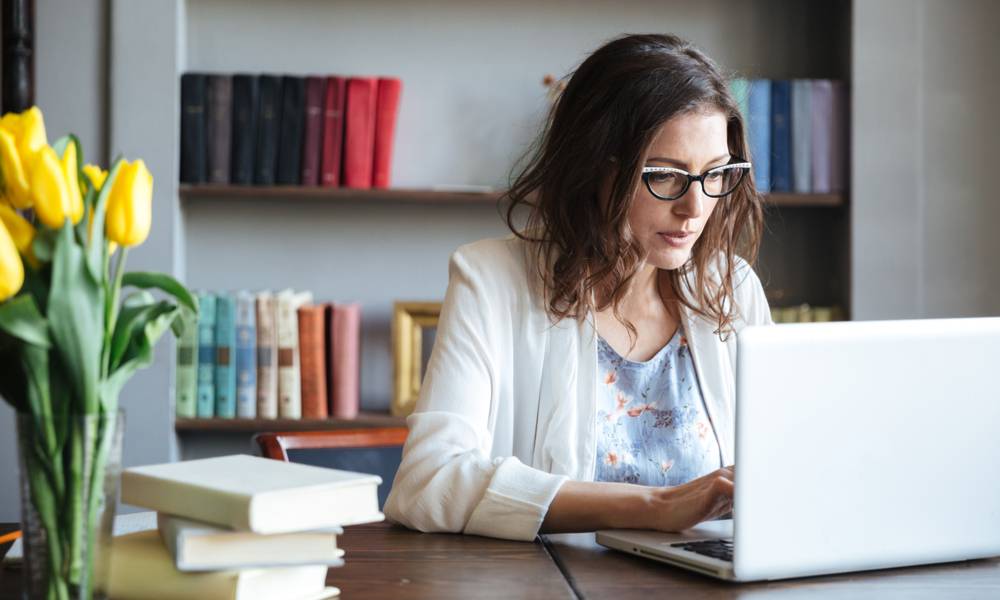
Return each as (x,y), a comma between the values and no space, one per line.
(409,320)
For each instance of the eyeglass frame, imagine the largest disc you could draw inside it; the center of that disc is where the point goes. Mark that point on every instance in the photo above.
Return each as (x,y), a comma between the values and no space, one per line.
(739,162)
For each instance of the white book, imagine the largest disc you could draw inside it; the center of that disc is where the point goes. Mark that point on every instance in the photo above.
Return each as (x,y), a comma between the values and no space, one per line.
(141,569)
(198,546)
(289,372)
(267,356)
(249,493)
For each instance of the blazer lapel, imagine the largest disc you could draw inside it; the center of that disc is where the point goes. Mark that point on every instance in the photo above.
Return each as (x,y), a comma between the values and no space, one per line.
(711,363)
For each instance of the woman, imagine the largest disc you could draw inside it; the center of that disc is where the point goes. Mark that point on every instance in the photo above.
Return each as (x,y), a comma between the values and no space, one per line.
(583,372)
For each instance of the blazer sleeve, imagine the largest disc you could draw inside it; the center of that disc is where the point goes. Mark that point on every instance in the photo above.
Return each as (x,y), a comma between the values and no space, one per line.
(447,480)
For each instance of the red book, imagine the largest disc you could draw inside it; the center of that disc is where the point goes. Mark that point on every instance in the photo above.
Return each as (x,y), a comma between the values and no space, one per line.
(333,130)
(359,132)
(312,136)
(312,361)
(343,359)
(387,108)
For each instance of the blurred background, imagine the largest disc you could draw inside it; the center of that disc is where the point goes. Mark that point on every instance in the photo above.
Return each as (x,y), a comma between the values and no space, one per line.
(910,234)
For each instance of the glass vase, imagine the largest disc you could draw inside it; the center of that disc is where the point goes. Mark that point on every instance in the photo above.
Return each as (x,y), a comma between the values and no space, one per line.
(70,468)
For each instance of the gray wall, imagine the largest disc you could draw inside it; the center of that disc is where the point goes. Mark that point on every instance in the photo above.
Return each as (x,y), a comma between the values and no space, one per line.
(924,207)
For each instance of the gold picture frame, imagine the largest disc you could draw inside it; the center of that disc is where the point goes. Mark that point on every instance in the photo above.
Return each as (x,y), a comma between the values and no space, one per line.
(409,320)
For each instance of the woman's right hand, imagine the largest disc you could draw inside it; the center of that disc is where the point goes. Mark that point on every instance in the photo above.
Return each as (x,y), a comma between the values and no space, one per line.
(684,506)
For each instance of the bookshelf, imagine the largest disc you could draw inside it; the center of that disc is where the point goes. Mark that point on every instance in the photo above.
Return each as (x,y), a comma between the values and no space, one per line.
(363,420)
(463,125)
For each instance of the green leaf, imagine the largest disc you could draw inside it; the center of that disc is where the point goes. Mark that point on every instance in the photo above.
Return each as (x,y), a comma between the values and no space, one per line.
(130,327)
(164,283)
(20,319)
(139,353)
(60,145)
(44,243)
(97,247)
(76,319)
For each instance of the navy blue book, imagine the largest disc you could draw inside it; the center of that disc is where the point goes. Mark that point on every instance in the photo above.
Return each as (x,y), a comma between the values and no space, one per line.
(781,136)
(244,139)
(268,128)
(194,165)
(206,356)
(759,107)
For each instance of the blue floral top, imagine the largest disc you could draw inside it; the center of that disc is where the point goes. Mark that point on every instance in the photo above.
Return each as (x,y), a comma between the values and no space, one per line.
(653,428)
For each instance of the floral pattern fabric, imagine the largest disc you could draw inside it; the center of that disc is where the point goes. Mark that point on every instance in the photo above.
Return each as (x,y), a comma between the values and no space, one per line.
(653,428)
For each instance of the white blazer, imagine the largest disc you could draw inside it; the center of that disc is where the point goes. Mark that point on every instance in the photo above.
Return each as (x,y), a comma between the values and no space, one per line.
(507,408)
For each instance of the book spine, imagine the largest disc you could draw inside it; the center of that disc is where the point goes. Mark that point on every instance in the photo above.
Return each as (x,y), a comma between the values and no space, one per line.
(740,88)
(840,118)
(289,395)
(345,360)
(268,127)
(781,136)
(801,136)
(359,132)
(244,135)
(206,355)
(186,380)
(225,348)
(312,140)
(386,112)
(290,137)
(246,356)
(333,130)
(822,130)
(759,105)
(267,356)
(219,127)
(193,163)
(312,360)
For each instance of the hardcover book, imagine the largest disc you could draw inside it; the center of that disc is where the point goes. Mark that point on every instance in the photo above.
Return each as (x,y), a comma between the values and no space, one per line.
(250,493)
(344,343)
(386,112)
(267,356)
(759,105)
(268,129)
(781,136)
(193,161)
(293,92)
(186,384)
(312,140)
(219,127)
(333,130)
(246,355)
(312,359)
(802,136)
(225,348)
(206,355)
(359,132)
(244,144)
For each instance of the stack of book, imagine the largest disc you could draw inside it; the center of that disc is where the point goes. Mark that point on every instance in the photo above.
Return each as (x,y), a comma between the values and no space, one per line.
(238,527)
(248,129)
(797,132)
(268,356)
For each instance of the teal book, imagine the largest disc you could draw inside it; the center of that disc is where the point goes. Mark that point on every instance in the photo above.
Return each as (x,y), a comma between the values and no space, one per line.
(246,355)
(206,355)
(740,89)
(186,375)
(225,355)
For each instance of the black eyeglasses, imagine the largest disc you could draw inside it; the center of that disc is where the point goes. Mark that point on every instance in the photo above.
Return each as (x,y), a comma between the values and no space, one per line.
(670,183)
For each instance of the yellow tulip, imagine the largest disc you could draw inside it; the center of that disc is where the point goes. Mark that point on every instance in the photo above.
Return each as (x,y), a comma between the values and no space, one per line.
(11,269)
(21,231)
(69,168)
(15,180)
(32,138)
(49,189)
(96,174)
(130,205)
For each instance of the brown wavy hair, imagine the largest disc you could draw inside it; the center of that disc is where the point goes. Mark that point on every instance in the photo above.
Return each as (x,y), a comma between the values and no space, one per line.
(582,174)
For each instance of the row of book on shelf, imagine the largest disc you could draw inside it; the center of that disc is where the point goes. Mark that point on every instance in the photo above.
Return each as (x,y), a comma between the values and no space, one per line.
(804,313)
(269,355)
(240,527)
(247,129)
(797,132)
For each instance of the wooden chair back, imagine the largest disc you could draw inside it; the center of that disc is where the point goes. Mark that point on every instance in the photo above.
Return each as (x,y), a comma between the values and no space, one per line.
(277,445)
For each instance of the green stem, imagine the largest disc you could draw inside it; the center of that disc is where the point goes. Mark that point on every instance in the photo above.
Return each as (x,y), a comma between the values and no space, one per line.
(82,433)
(46,508)
(106,431)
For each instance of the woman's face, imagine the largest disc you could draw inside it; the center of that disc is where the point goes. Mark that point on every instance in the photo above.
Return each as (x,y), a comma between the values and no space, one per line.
(667,229)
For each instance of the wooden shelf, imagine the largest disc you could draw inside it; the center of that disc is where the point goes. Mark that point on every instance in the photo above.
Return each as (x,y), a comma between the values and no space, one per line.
(420,196)
(332,194)
(364,420)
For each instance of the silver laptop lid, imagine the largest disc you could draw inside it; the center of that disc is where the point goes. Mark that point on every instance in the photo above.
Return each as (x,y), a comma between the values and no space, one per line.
(866,445)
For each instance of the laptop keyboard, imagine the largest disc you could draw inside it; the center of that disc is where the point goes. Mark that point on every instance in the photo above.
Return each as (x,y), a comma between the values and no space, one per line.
(720,549)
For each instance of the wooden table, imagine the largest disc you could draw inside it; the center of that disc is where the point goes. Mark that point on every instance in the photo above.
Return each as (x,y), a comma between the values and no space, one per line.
(384,562)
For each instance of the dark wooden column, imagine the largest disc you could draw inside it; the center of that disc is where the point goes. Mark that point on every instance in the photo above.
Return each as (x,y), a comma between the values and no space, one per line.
(18,55)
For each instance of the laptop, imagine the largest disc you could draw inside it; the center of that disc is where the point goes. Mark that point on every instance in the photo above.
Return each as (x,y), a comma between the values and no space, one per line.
(859,446)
